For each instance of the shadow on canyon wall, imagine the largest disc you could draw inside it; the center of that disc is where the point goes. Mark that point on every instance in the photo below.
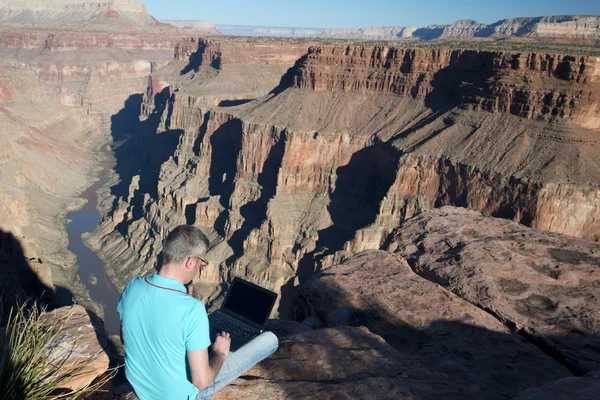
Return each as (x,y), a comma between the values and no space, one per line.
(195,61)
(494,365)
(255,212)
(360,187)
(233,103)
(287,80)
(226,144)
(457,85)
(20,284)
(142,154)
(18,281)
(122,127)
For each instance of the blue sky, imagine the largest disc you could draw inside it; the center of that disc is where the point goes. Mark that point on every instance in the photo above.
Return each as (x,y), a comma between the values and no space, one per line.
(357,13)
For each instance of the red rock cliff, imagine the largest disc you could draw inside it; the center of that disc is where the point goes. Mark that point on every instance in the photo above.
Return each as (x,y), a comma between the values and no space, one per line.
(529,85)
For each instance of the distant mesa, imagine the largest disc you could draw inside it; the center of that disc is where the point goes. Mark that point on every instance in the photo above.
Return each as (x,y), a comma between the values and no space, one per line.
(557,27)
(372,33)
(196,26)
(119,14)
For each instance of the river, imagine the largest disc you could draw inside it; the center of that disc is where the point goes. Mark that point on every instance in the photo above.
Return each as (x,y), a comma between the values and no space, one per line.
(91,268)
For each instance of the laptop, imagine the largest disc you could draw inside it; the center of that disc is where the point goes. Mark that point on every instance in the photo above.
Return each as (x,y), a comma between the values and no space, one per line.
(244,313)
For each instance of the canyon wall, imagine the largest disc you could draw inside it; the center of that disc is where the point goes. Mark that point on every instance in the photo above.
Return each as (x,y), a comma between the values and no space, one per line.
(532,86)
(585,27)
(59,92)
(230,71)
(560,26)
(351,142)
(125,14)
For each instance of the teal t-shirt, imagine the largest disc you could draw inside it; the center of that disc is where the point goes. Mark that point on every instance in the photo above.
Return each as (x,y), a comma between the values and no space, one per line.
(159,327)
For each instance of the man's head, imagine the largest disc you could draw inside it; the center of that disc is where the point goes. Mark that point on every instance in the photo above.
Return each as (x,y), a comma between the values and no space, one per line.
(184,251)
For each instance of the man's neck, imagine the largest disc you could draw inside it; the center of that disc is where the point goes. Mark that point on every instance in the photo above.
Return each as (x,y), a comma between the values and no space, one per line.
(167,271)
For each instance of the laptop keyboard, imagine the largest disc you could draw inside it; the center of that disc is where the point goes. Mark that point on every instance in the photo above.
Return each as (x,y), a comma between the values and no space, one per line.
(240,333)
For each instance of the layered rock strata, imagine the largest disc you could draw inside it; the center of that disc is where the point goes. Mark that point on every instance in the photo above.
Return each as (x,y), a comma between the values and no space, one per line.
(350,142)
(105,14)
(228,72)
(542,284)
(531,86)
(562,26)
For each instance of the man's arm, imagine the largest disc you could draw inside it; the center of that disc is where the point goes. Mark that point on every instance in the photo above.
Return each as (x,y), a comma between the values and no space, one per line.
(204,371)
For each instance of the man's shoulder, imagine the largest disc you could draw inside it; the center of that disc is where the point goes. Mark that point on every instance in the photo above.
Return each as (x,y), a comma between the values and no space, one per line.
(182,299)
(192,302)
(135,282)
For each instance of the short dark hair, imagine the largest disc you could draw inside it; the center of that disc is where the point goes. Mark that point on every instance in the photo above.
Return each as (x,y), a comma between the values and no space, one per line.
(183,242)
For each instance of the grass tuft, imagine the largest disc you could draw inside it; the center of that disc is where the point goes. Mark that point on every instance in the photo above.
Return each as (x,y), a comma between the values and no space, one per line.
(32,366)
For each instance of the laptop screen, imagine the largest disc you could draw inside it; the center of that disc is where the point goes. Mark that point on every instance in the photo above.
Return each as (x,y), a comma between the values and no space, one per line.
(250,301)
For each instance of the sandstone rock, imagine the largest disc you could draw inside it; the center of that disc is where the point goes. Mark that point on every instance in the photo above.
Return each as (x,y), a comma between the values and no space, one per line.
(227,72)
(283,328)
(246,30)
(561,26)
(78,342)
(369,388)
(345,362)
(372,33)
(584,388)
(412,72)
(429,325)
(115,13)
(543,284)
(124,391)
(206,27)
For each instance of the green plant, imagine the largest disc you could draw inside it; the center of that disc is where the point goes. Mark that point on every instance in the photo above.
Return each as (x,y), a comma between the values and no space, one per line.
(32,366)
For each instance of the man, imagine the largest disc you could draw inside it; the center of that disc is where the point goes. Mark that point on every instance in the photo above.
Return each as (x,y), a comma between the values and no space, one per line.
(165,331)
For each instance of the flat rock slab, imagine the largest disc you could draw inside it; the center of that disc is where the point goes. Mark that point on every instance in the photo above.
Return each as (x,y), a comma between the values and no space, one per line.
(78,342)
(427,324)
(585,388)
(544,284)
(344,362)
(368,389)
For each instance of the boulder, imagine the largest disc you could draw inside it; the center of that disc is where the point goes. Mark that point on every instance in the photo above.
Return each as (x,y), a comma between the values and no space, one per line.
(545,285)
(348,362)
(428,325)
(78,342)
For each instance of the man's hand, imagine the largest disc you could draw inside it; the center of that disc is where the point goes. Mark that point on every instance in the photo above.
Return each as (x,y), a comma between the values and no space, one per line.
(204,370)
(222,344)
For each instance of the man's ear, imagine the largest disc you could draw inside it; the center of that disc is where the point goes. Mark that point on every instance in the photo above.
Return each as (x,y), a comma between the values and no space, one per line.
(189,263)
